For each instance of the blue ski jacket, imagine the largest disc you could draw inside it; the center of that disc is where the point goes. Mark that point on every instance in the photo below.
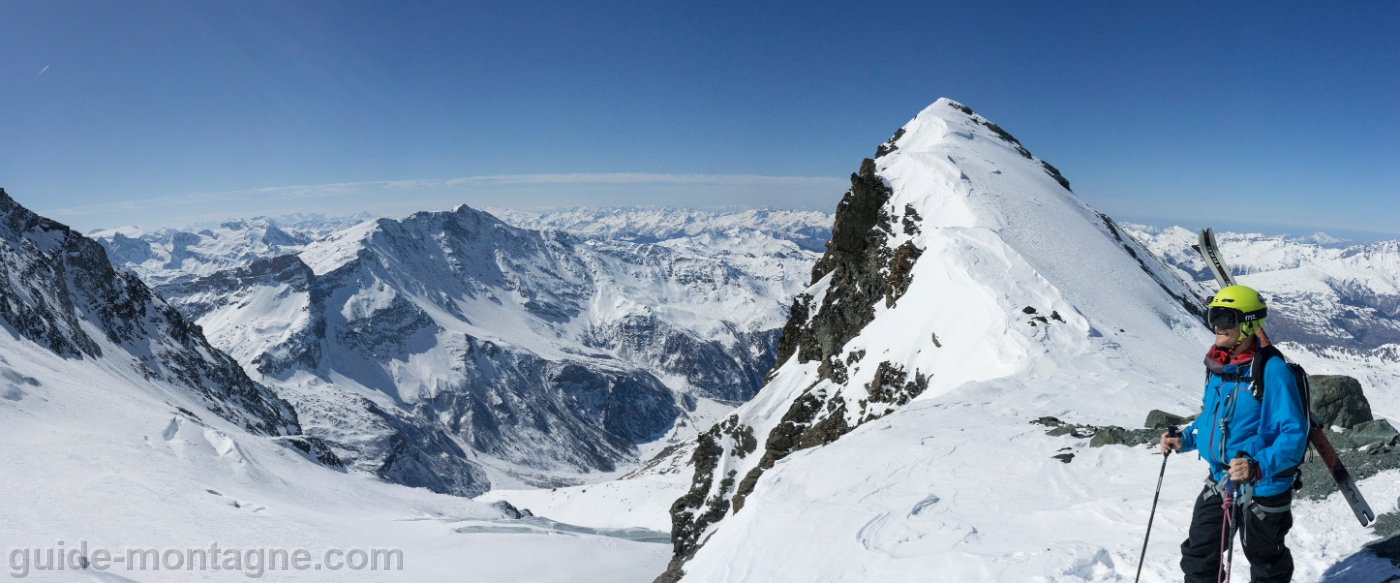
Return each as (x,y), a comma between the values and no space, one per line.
(1272,432)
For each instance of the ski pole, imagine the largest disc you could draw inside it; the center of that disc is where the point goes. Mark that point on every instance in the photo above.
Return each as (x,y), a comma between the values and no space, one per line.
(1227,533)
(1171,432)
(1230,525)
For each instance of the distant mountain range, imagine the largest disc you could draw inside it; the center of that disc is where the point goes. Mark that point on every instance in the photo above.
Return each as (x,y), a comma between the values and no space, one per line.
(1318,292)
(453,351)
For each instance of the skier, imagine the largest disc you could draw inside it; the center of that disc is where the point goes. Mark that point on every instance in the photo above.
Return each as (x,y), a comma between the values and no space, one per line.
(1253,438)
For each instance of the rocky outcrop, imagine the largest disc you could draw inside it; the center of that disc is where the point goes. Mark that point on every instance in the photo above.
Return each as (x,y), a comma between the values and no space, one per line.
(1366,446)
(1338,400)
(863,271)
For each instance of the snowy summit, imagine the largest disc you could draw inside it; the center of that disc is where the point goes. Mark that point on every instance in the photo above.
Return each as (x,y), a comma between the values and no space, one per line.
(965,296)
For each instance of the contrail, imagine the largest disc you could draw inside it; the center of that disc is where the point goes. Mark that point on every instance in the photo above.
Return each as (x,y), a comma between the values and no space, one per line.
(41,71)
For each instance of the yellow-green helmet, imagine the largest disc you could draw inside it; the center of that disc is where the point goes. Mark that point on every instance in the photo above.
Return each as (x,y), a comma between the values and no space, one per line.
(1237,305)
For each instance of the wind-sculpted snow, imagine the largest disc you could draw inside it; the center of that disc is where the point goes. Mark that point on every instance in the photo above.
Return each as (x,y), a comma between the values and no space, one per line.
(547,357)
(1318,294)
(895,439)
(58,290)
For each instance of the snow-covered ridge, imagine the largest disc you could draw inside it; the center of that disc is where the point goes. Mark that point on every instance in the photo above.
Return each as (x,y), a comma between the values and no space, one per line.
(965,293)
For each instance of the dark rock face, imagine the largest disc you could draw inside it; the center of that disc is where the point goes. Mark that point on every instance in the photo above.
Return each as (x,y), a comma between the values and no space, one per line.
(889,145)
(203,295)
(727,373)
(1338,400)
(52,279)
(857,260)
(1376,433)
(698,511)
(1361,464)
(424,457)
(863,271)
(890,387)
(317,449)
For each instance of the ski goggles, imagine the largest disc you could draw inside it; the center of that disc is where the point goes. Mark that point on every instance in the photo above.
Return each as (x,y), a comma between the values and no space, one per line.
(1221,318)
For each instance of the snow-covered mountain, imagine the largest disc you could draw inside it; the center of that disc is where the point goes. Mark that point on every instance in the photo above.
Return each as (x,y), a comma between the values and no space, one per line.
(1318,293)
(169,255)
(966,294)
(809,229)
(450,350)
(173,255)
(314,226)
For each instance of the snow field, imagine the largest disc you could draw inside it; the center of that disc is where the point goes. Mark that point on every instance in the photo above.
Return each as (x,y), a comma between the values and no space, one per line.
(95,453)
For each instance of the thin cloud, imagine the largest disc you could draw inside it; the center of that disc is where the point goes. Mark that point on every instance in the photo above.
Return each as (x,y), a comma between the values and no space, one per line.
(41,71)
(645,178)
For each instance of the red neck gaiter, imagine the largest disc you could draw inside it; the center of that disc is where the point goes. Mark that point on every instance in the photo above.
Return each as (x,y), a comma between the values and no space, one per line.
(1222,355)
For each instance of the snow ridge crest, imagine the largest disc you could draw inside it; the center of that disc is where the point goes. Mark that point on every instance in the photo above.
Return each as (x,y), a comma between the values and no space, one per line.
(956,258)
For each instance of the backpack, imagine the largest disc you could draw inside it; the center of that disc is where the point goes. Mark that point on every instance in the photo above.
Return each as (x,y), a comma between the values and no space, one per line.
(1261,358)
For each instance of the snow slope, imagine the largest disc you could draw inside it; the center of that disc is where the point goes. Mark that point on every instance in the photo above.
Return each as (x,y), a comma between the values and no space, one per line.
(103,456)
(896,434)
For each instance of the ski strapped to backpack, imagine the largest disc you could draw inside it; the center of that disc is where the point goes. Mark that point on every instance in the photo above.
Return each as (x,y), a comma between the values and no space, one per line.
(1315,435)
(1210,252)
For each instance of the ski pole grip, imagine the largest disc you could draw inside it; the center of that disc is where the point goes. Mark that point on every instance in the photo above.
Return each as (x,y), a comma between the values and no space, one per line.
(1171,432)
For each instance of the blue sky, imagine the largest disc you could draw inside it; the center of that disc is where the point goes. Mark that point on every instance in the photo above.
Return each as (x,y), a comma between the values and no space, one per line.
(1277,117)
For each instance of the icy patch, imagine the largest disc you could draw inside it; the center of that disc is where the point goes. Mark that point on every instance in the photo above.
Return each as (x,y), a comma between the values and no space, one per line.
(541,525)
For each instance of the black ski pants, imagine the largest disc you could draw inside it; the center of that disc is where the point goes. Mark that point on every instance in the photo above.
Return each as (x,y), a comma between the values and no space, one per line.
(1269,559)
